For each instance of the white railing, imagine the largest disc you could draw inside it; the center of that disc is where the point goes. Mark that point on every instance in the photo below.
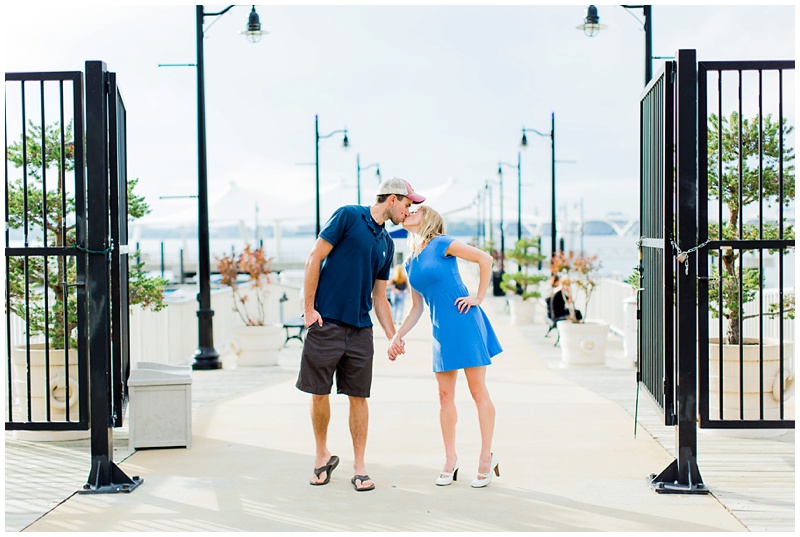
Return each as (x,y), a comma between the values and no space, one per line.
(608,304)
(169,336)
(751,326)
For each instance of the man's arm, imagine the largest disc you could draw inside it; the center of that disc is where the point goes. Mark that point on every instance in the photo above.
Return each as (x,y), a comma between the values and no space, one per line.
(383,311)
(320,251)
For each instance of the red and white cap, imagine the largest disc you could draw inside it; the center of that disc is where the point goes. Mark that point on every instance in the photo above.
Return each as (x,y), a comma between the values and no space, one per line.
(400,187)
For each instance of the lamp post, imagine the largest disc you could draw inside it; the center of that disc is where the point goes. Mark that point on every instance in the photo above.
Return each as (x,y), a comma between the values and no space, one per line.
(502,226)
(591,26)
(358,174)
(206,356)
(519,190)
(524,143)
(345,143)
(488,200)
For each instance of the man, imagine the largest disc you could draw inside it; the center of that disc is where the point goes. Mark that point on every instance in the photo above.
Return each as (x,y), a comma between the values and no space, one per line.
(345,274)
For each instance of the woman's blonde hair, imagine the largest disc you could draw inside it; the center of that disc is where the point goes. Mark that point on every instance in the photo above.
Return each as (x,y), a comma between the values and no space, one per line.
(431,225)
(399,274)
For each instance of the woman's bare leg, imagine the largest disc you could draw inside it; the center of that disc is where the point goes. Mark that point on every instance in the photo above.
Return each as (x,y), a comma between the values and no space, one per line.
(476,378)
(448,416)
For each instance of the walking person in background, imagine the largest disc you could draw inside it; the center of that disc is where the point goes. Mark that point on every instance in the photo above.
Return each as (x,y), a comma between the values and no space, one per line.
(345,276)
(399,286)
(463,338)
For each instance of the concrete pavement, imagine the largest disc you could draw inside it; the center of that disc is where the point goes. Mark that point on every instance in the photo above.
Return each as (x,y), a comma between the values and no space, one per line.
(568,458)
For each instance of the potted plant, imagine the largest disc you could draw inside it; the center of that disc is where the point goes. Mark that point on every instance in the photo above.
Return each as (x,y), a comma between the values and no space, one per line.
(36,290)
(256,341)
(527,254)
(731,282)
(583,342)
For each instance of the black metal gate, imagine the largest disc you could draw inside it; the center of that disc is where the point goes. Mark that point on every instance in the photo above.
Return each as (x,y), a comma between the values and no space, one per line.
(686,259)
(45,202)
(656,214)
(66,260)
(747,176)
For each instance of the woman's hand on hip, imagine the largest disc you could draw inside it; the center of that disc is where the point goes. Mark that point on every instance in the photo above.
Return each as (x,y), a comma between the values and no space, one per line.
(464,303)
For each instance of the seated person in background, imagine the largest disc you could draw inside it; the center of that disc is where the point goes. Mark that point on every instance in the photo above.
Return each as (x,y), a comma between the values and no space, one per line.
(560,302)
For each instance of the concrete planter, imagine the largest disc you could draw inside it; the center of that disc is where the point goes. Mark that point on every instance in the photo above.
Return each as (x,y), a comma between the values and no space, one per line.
(583,343)
(62,391)
(522,311)
(258,345)
(160,406)
(749,382)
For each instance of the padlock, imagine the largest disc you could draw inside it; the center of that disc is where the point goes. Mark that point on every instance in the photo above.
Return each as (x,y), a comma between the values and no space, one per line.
(682,257)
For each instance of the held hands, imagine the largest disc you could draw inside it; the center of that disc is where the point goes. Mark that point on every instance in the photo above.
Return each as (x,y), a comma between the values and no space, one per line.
(396,347)
(464,303)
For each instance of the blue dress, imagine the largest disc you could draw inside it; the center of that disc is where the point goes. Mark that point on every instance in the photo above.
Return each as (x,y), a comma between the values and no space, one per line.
(459,340)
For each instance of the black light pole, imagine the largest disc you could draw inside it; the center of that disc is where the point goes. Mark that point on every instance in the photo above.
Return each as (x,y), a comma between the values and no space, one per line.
(491,218)
(519,189)
(502,225)
(345,143)
(591,26)
(358,174)
(552,135)
(206,356)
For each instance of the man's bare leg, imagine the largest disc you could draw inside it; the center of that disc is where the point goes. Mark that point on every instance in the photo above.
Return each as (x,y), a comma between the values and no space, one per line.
(359,424)
(320,417)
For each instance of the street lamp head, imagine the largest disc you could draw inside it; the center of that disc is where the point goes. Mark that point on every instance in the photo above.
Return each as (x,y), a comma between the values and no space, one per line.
(378,172)
(591,24)
(524,142)
(253,32)
(345,141)
(500,170)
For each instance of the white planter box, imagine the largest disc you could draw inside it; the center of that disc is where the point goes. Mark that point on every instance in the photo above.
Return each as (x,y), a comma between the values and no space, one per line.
(160,406)
(583,343)
(522,311)
(62,392)
(258,345)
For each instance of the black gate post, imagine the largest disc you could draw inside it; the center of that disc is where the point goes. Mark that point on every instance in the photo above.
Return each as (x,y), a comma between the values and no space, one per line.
(104,476)
(682,476)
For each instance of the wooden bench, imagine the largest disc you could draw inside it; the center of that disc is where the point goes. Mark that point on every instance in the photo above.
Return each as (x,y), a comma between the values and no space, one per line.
(296,323)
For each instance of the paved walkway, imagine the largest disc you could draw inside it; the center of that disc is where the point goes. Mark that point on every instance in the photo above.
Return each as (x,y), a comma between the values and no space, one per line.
(569,460)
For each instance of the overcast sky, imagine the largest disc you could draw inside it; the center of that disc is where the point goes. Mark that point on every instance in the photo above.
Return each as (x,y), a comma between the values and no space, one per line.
(431,93)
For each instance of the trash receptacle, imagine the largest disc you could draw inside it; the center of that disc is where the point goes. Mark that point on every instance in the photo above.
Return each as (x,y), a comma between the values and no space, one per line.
(160,406)
(497,277)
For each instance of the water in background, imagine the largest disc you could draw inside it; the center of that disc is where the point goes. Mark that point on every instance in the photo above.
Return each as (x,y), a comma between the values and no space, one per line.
(618,255)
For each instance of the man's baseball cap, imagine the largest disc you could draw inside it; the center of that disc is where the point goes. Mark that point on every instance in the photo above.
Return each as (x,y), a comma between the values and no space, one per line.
(400,187)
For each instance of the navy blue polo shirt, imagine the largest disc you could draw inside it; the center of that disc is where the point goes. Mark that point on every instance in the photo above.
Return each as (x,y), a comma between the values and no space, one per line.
(362,253)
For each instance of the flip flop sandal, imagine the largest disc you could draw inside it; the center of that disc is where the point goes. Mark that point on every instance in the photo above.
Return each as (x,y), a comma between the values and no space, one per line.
(328,469)
(361,478)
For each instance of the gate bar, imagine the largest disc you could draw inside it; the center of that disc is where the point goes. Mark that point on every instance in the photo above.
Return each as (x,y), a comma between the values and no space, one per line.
(682,476)
(104,476)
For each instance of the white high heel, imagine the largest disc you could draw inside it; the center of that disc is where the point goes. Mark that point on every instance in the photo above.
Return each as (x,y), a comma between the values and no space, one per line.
(484,479)
(447,478)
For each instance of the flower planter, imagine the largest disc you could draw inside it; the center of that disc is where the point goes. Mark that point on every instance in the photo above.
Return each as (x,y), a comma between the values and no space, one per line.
(522,311)
(750,385)
(583,343)
(258,345)
(61,391)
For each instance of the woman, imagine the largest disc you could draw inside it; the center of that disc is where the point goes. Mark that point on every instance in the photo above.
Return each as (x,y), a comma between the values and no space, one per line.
(560,302)
(463,338)
(398,285)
